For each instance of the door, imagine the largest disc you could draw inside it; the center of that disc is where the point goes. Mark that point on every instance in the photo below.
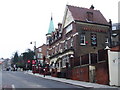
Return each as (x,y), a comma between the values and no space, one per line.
(92,74)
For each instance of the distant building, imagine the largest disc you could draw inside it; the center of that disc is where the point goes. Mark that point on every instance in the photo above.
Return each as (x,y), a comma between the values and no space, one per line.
(115,34)
(115,26)
(74,45)
(41,54)
(6,63)
(1,64)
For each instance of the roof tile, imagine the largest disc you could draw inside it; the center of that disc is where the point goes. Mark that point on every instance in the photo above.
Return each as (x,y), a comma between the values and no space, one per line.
(80,14)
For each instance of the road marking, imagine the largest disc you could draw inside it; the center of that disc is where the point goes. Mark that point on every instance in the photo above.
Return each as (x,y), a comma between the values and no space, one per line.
(13,87)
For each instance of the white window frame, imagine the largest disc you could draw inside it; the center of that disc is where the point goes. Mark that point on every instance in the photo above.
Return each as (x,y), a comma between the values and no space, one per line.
(40,49)
(71,42)
(59,47)
(66,44)
(40,55)
(82,36)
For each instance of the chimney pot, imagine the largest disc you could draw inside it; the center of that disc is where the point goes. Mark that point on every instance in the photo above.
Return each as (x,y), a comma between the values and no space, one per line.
(92,7)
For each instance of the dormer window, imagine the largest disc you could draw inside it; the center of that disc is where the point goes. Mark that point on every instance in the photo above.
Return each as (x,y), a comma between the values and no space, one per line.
(89,16)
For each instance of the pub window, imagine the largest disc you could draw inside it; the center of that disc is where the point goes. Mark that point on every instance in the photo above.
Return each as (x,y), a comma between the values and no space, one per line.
(59,47)
(57,34)
(50,40)
(66,44)
(53,37)
(71,44)
(85,59)
(93,58)
(106,40)
(55,49)
(93,39)
(61,64)
(64,62)
(82,39)
(89,16)
(39,55)
(102,55)
(47,53)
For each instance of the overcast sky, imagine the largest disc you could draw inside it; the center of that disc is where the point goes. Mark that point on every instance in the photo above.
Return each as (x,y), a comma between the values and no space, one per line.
(23,21)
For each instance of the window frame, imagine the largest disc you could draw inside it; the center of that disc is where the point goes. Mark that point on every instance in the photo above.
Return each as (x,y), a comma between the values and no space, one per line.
(82,36)
(94,36)
(71,42)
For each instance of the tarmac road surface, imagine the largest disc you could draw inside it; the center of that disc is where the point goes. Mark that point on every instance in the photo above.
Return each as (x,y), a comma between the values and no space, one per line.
(16,80)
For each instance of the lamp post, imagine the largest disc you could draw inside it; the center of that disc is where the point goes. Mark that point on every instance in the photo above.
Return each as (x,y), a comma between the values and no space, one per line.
(35,56)
(72,60)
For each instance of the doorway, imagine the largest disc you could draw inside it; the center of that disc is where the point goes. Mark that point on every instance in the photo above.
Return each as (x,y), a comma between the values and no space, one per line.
(92,74)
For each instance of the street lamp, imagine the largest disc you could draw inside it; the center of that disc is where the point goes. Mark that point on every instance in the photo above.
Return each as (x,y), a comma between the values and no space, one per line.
(35,56)
(72,60)
(35,51)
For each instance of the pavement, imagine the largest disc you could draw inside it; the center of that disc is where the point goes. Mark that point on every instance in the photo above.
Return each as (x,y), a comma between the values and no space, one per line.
(75,82)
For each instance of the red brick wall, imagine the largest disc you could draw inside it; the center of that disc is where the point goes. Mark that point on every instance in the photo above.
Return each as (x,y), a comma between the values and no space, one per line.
(79,73)
(82,73)
(102,73)
(54,73)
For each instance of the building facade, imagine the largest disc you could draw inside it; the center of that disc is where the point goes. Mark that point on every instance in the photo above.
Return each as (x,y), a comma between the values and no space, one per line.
(41,54)
(74,45)
(41,62)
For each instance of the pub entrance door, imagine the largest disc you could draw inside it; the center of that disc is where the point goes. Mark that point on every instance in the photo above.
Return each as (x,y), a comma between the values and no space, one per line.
(92,74)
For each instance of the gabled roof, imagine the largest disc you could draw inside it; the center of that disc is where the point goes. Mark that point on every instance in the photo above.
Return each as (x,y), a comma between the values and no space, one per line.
(80,14)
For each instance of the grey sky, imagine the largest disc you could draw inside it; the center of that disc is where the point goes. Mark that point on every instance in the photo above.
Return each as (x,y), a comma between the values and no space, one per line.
(23,21)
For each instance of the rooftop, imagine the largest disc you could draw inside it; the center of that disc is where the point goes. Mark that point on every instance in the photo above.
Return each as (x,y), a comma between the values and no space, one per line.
(79,14)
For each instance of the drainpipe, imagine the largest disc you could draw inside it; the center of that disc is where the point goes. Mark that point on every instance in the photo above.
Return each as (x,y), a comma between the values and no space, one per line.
(110,34)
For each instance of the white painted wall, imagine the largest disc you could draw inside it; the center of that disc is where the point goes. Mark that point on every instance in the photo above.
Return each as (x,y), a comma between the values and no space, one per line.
(114,67)
(119,69)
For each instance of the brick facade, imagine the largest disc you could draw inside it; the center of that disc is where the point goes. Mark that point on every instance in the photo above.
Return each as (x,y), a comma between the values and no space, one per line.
(78,38)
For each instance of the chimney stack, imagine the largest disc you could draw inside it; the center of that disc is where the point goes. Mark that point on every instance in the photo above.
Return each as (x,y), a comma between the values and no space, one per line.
(59,25)
(92,7)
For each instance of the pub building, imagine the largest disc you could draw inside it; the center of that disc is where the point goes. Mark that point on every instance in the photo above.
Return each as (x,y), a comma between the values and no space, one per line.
(77,47)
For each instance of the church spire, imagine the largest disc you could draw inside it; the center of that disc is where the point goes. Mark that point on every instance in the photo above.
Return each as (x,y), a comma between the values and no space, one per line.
(51,26)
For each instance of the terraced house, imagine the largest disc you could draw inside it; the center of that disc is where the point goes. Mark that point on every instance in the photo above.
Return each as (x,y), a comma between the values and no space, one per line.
(76,46)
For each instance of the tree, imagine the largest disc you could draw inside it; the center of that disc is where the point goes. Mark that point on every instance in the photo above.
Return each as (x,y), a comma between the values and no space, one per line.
(21,60)
(15,58)
(28,55)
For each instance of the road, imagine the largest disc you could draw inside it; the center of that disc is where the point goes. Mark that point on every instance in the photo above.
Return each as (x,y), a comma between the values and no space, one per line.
(19,79)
